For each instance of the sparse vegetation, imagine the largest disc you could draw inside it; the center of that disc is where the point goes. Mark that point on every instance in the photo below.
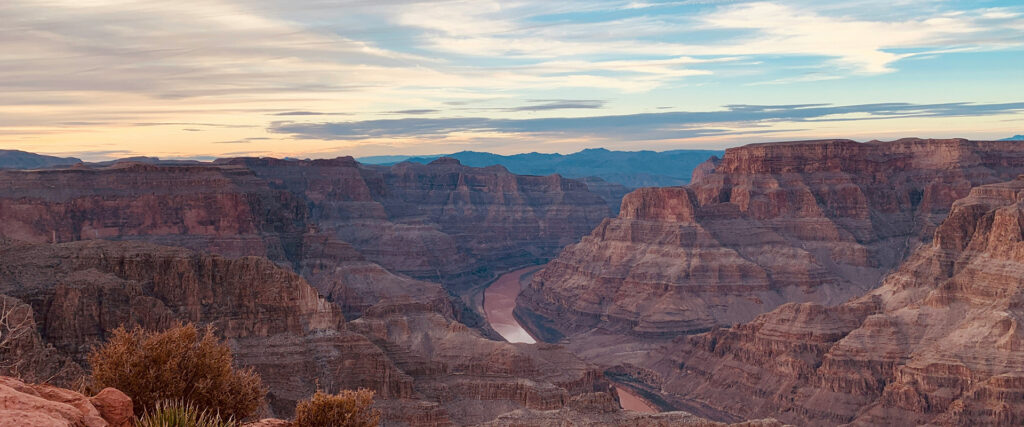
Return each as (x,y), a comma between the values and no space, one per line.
(179,364)
(180,414)
(345,409)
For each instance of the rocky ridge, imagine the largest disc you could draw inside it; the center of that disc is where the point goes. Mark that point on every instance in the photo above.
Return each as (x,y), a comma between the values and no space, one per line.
(426,368)
(939,343)
(323,220)
(442,222)
(768,224)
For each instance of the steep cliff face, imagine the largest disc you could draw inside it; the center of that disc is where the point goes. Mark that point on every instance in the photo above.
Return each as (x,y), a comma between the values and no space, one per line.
(348,230)
(443,221)
(818,221)
(272,318)
(225,210)
(340,224)
(938,343)
(426,367)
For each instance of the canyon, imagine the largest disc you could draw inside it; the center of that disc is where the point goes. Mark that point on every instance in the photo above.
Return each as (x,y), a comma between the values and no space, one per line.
(814,283)
(321,272)
(939,343)
(728,297)
(768,224)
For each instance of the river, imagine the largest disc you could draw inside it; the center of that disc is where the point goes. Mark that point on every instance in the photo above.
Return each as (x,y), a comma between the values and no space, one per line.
(500,301)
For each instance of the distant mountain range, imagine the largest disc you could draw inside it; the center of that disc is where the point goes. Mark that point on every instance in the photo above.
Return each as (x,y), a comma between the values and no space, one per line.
(632,169)
(1014,138)
(16,159)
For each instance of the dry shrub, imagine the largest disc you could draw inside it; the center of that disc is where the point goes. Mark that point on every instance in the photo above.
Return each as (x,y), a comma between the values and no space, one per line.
(178,364)
(346,409)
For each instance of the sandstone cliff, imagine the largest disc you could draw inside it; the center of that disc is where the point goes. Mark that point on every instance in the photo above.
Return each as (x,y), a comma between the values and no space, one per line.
(345,228)
(426,367)
(273,320)
(768,224)
(939,342)
(442,222)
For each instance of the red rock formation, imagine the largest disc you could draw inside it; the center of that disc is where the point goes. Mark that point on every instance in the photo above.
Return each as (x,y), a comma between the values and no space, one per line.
(427,368)
(328,220)
(444,222)
(474,378)
(938,343)
(219,209)
(818,221)
(36,405)
(273,320)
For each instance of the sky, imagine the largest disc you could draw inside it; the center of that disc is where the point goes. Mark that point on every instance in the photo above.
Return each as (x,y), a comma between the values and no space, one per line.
(103,79)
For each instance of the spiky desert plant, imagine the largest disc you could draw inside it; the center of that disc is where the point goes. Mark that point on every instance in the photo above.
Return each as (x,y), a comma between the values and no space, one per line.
(345,409)
(174,413)
(177,364)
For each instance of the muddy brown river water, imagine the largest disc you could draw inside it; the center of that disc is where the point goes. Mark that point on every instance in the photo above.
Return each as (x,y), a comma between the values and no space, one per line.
(500,301)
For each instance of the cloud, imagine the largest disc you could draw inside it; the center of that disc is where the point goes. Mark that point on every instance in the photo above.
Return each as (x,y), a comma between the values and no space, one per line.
(559,104)
(244,140)
(667,125)
(100,71)
(414,111)
(301,113)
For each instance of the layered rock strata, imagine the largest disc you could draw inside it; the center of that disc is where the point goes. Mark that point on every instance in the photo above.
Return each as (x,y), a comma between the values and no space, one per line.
(939,343)
(273,320)
(442,222)
(426,367)
(768,224)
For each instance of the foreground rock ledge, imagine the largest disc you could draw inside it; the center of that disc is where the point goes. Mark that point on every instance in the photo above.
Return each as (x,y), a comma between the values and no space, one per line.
(32,405)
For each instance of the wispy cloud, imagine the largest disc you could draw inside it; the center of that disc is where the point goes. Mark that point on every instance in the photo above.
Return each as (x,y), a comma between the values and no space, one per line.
(651,126)
(119,72)
(560,104)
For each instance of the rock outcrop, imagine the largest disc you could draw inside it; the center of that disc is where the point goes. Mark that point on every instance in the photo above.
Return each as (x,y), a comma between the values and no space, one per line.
(939,343)
(425,366)
(36,405)
(442,222)
(768,224)
(273,320)
(347,229)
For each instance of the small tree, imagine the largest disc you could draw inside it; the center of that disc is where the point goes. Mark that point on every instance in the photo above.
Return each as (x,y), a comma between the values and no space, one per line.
(15,324)
(346,409)
(178,364)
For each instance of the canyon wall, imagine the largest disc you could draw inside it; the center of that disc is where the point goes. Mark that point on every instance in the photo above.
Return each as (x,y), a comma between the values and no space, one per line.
(938,343)
(246,245)
(442,222)
(426,367)
(768,224)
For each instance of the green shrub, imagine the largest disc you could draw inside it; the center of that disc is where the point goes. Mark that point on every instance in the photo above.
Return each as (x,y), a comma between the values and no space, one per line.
(346,409)
(177,414)
(178,364)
